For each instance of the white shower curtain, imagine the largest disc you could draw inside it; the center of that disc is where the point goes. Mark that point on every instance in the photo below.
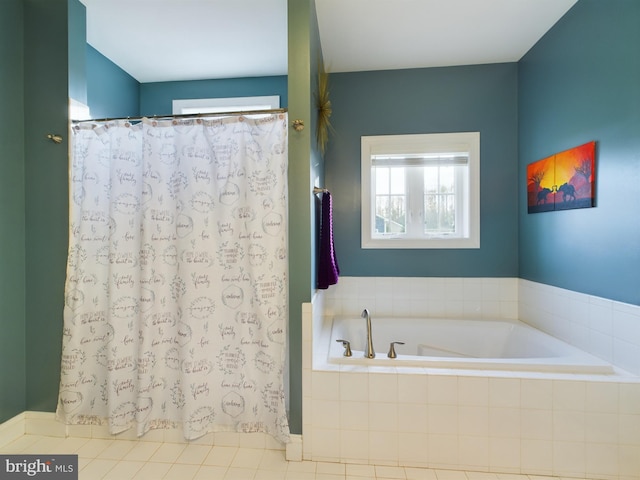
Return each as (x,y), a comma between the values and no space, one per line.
(176,293)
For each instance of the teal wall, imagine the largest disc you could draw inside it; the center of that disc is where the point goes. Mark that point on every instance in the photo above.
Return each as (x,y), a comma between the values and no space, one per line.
(111,92)
(581,82)
(12,222)
(458,99)
(46,206)
(304,166)
(156,97)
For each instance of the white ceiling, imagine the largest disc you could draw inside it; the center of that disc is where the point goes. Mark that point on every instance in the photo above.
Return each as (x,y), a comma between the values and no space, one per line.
(162,40)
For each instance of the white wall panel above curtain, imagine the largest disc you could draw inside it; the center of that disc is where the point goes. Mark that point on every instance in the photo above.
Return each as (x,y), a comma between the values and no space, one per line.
(176,292)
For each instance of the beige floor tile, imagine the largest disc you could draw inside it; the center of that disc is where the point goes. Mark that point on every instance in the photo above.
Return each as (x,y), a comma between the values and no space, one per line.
(234,473)
(210,472)
(367,471)
(167,452)
(390,472)
(117,450)
(420,473)
(300,476)
(328,476)
(181,472)
(83,462)
(247,458)
(450,475)
(481,476)
(19,444)
(71,445)
(124,470)
(97,468)
(221,456)
(274,460)
(330,468)
(269,475)
(44,445)
(93,447)
(511,476)
(152,471)
(142,452)
(121,459)
(194,454)
(302,467)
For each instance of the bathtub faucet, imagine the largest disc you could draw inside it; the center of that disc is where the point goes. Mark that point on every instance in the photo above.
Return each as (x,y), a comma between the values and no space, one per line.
(368,353)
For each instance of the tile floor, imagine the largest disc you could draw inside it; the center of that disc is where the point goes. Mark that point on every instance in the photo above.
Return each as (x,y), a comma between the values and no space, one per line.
(102,459)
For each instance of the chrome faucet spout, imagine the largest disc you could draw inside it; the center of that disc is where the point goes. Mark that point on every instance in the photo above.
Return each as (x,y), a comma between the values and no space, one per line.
(369,352)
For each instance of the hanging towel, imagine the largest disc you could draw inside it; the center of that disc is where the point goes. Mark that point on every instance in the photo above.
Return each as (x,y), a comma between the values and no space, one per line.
(328,269)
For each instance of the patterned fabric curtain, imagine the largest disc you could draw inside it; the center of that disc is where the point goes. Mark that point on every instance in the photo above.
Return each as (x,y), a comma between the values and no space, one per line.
(176,293)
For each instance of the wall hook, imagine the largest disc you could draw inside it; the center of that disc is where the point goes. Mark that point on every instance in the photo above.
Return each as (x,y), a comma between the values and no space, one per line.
(298,125)
(54,138)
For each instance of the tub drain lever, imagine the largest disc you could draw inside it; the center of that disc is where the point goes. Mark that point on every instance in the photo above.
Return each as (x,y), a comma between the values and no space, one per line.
(392,350)
(347,347)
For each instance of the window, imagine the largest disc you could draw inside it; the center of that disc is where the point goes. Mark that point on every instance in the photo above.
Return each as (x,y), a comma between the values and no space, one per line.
(221,105)
(421,191)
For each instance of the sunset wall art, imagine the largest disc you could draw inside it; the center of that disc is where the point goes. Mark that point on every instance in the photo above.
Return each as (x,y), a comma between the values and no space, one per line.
(562,181)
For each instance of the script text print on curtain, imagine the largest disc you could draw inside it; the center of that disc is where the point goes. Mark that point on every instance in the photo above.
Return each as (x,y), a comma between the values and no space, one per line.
(176,293)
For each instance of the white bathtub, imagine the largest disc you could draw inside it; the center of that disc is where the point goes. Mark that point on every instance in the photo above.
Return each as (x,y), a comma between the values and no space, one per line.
(460,344)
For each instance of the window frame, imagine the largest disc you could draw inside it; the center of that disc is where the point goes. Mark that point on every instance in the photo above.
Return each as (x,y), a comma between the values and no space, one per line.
(224,104)
(415,144)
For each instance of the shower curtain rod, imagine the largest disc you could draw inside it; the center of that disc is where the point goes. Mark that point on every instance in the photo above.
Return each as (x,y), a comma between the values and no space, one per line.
(186,115)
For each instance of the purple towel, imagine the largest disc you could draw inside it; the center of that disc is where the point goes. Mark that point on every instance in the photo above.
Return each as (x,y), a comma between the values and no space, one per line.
(328,269)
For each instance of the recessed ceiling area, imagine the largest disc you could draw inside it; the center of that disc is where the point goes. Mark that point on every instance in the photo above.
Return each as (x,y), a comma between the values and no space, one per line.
(171,40)
(167,40)
(360,35)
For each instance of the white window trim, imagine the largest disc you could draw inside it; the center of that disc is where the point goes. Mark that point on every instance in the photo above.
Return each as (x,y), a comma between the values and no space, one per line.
(415,144)
(221,105)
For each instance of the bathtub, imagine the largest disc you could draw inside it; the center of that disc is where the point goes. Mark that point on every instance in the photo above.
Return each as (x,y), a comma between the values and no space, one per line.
(507,345)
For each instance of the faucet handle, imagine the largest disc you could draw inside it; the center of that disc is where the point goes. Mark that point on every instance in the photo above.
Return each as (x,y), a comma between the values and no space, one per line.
(347,347)
(392,350)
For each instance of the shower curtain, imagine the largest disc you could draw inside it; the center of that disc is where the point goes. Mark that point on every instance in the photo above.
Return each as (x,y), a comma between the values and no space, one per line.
(176,292)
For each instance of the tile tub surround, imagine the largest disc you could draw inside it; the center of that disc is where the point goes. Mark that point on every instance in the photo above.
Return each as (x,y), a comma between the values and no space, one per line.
(605,328)
(560,424)
(122,459)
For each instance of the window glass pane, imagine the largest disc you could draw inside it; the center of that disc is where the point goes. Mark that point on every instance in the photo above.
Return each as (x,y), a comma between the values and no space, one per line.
(382,180)
(440,213)
(390,214)
(448,214)
(431,179)
(447,179)
(382,213)
(397,215)
(397,181)
(430,212)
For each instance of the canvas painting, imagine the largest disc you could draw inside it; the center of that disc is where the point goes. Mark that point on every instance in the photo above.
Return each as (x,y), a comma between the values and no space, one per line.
(562,181)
